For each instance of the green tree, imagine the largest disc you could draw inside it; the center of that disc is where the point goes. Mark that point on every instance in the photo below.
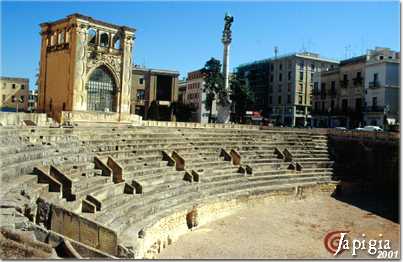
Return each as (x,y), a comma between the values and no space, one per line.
(214,85)
(242,97)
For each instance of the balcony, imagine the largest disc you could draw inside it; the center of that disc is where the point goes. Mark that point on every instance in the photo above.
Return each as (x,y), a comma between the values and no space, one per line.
(357,81)
(374,109)
(344,83)
(374,84)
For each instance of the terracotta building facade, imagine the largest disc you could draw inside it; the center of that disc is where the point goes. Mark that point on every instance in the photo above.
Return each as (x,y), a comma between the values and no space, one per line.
(85,66)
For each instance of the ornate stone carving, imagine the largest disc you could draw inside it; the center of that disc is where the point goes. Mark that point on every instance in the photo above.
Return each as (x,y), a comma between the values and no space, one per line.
(96,58)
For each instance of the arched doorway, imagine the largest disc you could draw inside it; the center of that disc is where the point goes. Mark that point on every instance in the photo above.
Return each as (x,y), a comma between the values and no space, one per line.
(101,91)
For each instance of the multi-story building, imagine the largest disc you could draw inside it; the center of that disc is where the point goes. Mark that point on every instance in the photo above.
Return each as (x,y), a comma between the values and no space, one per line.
(363,90)
(182,84)
(282,85)
(152,92)
(338,96)
(14,94)
(32,100)
(382,87)
(196,97)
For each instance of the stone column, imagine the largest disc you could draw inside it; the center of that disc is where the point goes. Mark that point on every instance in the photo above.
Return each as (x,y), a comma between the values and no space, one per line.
(79,64)
(224,112)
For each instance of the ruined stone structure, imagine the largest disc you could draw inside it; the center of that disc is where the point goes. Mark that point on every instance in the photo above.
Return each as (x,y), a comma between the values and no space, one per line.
(85,66)
(129,191)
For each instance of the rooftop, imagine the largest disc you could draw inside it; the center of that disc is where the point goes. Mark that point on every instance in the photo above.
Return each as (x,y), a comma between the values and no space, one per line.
(89,19)
(155,71)
(6,78)
(306,55)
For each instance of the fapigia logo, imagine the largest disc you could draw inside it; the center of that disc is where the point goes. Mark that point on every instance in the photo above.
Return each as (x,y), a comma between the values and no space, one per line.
(337,242)
(333,240)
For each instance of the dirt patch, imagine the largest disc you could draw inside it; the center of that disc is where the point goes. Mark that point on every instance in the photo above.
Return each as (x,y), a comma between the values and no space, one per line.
(287,229)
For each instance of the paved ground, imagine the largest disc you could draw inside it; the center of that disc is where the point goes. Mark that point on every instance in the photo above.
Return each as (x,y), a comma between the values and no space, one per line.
(292,229)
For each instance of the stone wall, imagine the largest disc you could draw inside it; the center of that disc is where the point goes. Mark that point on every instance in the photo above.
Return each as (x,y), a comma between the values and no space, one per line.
(83,230)
(98,117)
(197,125)
(368,159)
(16,119)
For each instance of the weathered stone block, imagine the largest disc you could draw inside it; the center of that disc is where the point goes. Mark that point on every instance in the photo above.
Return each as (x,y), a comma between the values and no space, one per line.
(117,170)
(89,233)
(107,240)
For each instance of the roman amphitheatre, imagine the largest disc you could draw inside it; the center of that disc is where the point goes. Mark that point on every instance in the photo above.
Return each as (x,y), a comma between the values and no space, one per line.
(134,190)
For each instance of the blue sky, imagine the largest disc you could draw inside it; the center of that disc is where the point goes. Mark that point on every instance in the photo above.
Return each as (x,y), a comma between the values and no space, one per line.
(184,35)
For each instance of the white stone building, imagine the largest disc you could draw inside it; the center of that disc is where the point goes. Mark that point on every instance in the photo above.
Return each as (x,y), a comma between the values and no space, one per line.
(382,88)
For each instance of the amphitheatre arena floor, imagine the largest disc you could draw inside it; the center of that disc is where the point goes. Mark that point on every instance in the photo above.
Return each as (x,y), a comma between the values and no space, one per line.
(282,229)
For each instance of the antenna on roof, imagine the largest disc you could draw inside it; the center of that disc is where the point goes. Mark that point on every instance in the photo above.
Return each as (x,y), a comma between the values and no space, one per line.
(275,52)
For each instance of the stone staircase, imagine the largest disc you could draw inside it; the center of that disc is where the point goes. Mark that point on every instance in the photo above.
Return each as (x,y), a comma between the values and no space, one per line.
(127,179)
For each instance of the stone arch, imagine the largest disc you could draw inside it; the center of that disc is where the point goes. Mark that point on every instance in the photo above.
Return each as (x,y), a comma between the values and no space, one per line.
(102,89)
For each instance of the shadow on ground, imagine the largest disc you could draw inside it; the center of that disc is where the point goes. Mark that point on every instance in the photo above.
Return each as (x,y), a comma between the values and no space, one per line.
(384,205)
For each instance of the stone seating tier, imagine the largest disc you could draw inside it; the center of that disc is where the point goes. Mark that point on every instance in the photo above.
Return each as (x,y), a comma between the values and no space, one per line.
(164,190)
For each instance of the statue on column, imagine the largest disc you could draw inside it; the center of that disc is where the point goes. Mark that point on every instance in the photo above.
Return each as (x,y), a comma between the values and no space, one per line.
(224,110)
(226,37)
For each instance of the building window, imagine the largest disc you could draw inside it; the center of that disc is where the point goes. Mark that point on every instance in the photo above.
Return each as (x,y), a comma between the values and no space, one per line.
(279,88)
(101,90)
(289,87)
(281,67)
(323,106)
(13,99)
(289,75)
(300,100)
(332,105)
(60,39)
(279,100)
(13,86)
(280,77)
(374,101)
(271,78)
(375,77)
(104,40)
(312,67)
(116,42)
(140,95)
(271,67)
(289,99)
(21,99)
(301,75)
(92,35)
(22,86)
(345,77)
(344,104)
(141,80)
(270,99)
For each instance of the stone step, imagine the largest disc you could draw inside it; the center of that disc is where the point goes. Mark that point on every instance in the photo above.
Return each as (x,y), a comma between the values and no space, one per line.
(128,211)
